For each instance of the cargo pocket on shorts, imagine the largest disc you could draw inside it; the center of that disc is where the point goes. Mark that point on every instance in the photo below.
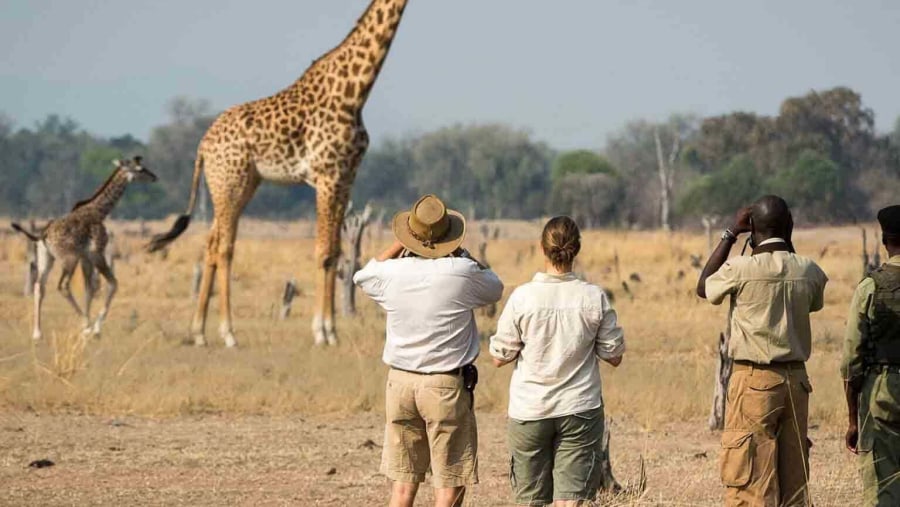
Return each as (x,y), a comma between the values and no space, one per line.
(512,472)
(736,461)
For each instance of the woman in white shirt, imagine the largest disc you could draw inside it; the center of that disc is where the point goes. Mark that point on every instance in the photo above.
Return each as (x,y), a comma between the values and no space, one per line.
(554,329)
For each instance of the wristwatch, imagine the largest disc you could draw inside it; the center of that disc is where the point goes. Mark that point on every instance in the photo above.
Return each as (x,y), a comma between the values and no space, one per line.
(727,235)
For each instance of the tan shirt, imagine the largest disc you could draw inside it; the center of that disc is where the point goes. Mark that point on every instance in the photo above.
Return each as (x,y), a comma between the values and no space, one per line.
(772,296)
(555,328)
(852,366)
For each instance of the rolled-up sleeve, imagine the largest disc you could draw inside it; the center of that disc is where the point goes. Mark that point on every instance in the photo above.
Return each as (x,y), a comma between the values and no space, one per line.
(818,299)
(483,288)
(370,281)
(853,359)
(723,282)
(506,343)
(610,341)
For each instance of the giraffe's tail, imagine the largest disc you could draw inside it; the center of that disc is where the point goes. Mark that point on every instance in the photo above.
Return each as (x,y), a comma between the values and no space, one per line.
(27,233)
(181,224)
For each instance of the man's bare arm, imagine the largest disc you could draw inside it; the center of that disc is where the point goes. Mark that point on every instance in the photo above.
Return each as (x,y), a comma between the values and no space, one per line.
(720,254)
(852,438)
(392,252)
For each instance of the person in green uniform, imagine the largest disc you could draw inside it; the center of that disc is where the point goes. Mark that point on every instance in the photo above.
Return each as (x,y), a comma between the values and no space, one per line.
(871,372)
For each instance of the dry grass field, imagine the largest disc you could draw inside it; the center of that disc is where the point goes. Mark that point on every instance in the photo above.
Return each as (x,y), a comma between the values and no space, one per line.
(140,415)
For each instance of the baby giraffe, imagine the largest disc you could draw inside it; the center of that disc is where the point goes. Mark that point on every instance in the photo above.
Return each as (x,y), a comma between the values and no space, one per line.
(80,238)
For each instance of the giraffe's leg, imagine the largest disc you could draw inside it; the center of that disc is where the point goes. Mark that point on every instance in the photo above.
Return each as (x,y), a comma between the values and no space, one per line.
(65,283)
(44,265)
(198,324)
(331,203)
(87,271)
(112,285)
(223,261)
(227,217)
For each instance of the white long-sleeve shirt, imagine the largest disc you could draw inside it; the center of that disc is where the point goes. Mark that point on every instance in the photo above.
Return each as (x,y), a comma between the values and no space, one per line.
(556,327)
(429,302)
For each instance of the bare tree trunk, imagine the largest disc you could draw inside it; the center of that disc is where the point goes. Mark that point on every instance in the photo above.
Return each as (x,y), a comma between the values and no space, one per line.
(608,482)
(287,297)
(865,254)
(354,226)
(876,253)
(666,176)
(723,374)
(486,234)
(708,223)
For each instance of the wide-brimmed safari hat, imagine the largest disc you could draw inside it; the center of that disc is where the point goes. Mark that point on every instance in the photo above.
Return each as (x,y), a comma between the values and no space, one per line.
(429,229)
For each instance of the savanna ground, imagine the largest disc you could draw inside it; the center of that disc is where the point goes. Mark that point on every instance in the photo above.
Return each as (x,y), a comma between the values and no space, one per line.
(138,417)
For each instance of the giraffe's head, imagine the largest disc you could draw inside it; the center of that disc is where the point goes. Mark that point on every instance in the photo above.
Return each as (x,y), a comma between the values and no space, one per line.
(134,170)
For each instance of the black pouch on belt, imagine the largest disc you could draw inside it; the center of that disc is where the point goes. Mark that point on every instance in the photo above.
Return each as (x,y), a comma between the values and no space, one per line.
(470,377)
(470,380)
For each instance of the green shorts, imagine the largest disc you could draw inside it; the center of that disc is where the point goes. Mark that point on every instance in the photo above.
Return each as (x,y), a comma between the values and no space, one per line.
(555,459)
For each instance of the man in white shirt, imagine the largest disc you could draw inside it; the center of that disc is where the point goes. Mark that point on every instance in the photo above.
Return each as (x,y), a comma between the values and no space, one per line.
(429,288)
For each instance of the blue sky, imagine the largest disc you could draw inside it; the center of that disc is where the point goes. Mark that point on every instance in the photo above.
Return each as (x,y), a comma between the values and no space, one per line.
(570,71)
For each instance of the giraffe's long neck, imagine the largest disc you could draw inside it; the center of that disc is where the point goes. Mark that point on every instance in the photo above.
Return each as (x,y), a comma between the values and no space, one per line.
(358,60)
(105,198)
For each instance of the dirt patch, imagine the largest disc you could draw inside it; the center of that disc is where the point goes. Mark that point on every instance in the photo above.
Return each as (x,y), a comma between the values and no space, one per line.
(254,460)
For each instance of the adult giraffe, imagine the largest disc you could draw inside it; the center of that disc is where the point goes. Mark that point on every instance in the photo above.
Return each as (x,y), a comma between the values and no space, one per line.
(311,132)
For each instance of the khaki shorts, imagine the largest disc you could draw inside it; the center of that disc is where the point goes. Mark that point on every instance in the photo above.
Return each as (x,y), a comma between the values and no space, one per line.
(556,459)
(430,425)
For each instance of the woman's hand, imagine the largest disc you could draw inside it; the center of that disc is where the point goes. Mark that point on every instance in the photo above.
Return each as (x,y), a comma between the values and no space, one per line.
(499,363)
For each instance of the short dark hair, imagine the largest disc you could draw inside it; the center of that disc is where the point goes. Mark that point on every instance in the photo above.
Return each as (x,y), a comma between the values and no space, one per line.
(771,215)
(891,239)
(561,241)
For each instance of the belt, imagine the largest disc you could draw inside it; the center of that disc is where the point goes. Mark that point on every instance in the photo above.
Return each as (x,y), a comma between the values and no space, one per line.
(455,371)
(740,364)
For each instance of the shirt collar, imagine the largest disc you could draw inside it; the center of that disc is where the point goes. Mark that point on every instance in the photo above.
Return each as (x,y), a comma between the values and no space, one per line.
(895,260)
(543,277)
(772,241)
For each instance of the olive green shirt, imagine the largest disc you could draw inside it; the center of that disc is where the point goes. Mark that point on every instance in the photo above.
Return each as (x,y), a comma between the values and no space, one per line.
(773,294)
(852,367)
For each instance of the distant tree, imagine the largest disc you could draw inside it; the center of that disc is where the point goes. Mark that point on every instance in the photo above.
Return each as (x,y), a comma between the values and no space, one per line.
(579,162)
(895,133)
(812,186)
(591,199)
(585,186)
(721,138)
(50,158)
(723,192)
(12,179)
(833,122)
(172,150)
(385,177)
(633,152)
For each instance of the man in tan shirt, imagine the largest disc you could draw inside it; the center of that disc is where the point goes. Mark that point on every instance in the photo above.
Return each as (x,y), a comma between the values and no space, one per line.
(765,450)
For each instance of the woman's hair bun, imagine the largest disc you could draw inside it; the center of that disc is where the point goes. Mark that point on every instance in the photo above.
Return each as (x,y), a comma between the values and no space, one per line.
(561,241)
